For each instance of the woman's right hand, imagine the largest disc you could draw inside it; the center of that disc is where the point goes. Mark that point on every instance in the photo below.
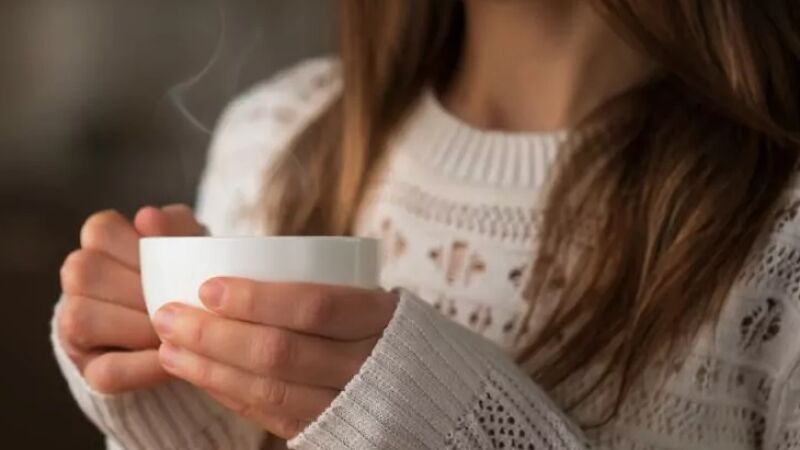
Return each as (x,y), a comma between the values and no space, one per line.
(102,322)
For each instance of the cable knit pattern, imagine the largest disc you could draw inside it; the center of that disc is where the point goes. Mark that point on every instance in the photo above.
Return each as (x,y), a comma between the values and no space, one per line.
(456,210)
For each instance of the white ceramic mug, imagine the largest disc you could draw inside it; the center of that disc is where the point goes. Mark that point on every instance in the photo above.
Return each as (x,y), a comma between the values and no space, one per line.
(174,268)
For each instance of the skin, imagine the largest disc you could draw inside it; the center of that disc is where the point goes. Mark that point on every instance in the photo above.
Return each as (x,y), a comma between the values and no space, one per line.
(537,65)
(102,322)
(280,353)
(276,353)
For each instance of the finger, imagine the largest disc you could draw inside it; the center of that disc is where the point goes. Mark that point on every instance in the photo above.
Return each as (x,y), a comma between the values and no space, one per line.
(78,356)
(88,273)
(226,401)
(117,372)
(336,312)
(111,233)
(172,220)
(283,427)
(277,425)
(263,350)
(255,393)
(87,325)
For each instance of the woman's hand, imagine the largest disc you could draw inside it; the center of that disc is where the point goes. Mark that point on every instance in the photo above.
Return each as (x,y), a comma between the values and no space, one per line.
(102,323)
(277,353)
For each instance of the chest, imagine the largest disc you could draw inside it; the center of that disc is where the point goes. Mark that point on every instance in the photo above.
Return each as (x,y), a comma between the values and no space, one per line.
(465,251)
(468,252)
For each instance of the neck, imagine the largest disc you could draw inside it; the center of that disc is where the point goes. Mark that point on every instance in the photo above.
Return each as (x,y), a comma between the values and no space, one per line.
(533,65)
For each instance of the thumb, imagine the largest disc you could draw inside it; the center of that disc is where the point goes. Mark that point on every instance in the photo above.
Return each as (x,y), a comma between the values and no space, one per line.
(172,220)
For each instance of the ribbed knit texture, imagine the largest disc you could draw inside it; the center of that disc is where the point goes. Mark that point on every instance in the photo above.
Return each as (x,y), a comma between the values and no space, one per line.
(419,387)
(453,149)
(457,210)
(172,416)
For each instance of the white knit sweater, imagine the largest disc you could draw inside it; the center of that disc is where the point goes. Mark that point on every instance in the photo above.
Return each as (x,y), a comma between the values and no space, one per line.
(455,208)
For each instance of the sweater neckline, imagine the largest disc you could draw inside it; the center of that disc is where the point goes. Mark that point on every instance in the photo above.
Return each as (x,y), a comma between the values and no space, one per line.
(450,147)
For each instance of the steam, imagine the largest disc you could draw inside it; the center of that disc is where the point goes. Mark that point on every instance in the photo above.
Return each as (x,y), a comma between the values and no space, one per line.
(177,94)
(234,62)
(226,62)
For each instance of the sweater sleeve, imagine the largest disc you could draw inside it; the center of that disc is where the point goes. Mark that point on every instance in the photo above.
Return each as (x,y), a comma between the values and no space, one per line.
(172,416)
(252,131)
(432,384)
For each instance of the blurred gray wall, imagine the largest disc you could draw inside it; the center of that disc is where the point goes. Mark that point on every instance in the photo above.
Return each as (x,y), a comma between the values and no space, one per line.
(91,93)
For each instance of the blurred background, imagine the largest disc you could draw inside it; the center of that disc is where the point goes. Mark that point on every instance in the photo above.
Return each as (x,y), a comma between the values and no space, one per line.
(94,101)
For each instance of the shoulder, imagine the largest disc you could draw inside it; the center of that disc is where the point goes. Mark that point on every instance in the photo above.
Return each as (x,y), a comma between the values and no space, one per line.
(766,319)
(254,129)
(773,266)
(272,112)
(760,322)
(743,369)
(299,89)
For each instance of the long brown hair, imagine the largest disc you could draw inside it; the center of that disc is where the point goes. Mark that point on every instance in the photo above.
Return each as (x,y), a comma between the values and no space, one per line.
(642,249)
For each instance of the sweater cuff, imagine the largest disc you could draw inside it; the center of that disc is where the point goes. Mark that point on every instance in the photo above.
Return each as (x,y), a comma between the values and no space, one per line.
(422,376)
(174,415)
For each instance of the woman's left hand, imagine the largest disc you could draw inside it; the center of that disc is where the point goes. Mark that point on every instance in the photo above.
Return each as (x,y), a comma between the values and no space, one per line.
(276,353)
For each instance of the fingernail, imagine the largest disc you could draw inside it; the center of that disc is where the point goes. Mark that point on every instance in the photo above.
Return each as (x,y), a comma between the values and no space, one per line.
(169,355)
(164,320)
(211,293)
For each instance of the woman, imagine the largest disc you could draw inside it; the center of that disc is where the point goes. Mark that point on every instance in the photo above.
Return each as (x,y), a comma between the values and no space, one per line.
(604,189)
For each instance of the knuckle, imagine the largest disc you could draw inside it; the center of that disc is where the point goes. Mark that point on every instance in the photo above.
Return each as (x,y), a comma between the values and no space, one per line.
(73,320)
(197,333)
(317,310)
(203,374)
(103,377)
(77,356)
(99,229)
(271,393)
(273,351)
(76,272)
